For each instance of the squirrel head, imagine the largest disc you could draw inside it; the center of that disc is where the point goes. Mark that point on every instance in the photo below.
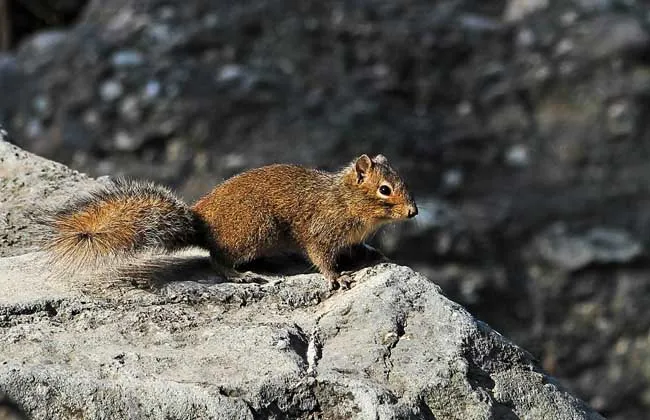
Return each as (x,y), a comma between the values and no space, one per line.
(386,194)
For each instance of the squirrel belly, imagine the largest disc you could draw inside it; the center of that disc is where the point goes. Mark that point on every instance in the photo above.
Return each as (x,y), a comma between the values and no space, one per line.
(258,213)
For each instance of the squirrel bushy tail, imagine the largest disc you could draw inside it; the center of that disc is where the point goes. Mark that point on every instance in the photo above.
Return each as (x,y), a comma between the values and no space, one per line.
(120,220)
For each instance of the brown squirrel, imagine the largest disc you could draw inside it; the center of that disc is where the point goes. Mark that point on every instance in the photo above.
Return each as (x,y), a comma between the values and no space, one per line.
(258,213)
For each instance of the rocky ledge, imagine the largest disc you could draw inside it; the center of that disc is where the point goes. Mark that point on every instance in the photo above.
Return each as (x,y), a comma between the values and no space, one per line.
(280,346)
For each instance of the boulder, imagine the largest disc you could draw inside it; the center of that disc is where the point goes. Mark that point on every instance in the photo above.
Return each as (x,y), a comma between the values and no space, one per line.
(277,346)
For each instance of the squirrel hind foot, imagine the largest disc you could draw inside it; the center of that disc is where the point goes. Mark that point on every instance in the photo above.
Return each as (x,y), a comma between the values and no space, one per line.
(342,282)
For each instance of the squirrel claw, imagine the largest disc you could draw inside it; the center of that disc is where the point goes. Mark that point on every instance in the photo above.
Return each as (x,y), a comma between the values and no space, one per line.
(345,281)
(334,285)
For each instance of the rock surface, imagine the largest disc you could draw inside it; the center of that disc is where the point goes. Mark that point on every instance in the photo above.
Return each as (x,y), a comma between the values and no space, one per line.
(279,347)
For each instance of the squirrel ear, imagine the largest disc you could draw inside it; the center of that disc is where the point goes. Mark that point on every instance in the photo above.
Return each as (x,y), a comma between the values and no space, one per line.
(381,159)
(362,166)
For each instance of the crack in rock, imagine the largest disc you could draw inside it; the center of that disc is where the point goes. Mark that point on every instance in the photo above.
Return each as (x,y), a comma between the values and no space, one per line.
(390,341)
(314,351)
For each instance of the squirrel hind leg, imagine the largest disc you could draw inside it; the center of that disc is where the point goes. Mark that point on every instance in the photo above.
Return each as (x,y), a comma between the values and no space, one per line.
(223,266)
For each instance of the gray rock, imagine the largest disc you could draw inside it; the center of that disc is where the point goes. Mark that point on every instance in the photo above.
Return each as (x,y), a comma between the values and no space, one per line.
(391,347)
(110,90)
(573,251)
(41,47)
(127,58)
(10,82)
(519,9)
(517,155)
(272,347)
(608,36)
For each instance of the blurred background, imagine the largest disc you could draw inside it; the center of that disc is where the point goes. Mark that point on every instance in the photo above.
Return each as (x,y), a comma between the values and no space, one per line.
(521,126)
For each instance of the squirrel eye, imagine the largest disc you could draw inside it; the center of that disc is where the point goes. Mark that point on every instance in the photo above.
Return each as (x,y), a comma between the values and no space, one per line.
(384,190)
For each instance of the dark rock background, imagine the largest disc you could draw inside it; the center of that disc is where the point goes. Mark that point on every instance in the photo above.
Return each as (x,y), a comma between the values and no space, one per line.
(523,133)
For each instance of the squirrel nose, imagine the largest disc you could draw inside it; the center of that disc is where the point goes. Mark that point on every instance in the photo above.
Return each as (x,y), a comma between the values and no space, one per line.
(413,211)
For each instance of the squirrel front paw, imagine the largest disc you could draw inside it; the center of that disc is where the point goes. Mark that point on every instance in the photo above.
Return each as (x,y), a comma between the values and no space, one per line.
(344,282)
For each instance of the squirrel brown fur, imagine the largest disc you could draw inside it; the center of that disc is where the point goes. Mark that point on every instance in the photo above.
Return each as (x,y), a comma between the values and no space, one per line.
(258,213)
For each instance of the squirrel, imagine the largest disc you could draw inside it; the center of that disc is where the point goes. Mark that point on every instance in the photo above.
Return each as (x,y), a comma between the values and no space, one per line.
(258,213)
